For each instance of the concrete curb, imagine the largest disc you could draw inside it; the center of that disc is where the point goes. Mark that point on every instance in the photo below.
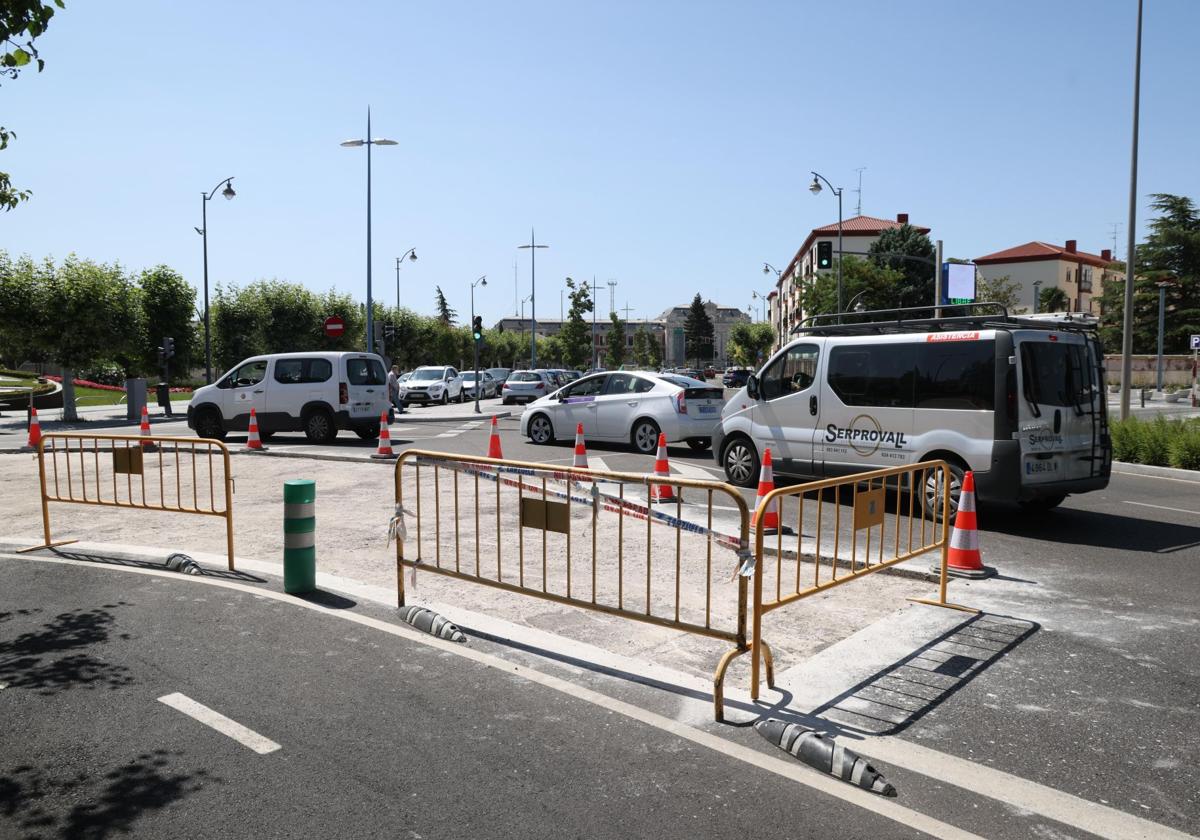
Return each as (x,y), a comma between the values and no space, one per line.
(1156,472)
(281,453)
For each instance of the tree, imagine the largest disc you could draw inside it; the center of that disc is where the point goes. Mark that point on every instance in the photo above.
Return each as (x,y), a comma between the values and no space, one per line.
(168,309)
(445,314)
(1002,290)
(654,349)
(23,313)
(915,287)
(20,21)
(1053,299)
(575,338)
(873,285)
(750,343)
(641,347)
(616,343)
(698,332)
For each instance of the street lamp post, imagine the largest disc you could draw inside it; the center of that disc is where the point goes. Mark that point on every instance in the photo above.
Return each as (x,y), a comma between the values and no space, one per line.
(411,253)
(482,281)
(759,296)
(369,141)
(533,247)
(1131,249)
(815,188)
(203,231)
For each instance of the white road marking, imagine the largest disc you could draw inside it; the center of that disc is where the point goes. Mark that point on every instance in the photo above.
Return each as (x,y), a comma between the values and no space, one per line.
(216,720)
(1164,507)
(690,471)
(1101,820)
(597,463)
(1157,477)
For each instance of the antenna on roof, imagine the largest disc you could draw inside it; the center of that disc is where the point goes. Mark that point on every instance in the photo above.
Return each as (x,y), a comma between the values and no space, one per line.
(1115,227)
(859,170)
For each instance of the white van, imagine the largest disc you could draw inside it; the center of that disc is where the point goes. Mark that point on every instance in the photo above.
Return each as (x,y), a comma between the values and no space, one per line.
(317,393)
(1019,401)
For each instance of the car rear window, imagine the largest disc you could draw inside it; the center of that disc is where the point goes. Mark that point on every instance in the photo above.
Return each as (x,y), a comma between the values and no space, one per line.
(524,376)
(365,372)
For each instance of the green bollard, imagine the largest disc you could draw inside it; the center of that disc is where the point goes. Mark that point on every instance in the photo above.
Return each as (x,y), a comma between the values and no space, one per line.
(299,536)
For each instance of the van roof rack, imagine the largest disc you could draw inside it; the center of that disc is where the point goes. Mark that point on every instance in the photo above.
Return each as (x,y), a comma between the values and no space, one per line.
(981,315)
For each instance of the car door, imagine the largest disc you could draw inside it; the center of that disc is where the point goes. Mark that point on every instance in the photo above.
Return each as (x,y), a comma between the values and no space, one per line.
(248,389)
(367,387)
(788,410)
(577,404)
(617,407)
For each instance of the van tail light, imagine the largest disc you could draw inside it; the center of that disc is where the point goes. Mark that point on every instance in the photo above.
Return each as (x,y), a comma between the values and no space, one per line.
(343,393)
(681,402)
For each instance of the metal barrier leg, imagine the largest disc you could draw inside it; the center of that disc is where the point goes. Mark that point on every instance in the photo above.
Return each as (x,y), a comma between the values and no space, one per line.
(719,682)
(48,543)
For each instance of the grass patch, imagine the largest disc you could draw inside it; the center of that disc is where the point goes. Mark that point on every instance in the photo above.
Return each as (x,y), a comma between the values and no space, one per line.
(1159,442)
(85,396)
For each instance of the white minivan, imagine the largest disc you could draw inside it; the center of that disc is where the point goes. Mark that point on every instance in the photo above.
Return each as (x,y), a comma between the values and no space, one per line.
(1018,401)
(317,393)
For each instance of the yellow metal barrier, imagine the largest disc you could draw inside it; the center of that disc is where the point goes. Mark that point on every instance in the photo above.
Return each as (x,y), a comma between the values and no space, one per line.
(588,538)
(873,536)
(117,471)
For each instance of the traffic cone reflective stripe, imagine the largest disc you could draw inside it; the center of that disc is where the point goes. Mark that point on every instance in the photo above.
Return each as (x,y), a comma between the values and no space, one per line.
(385,439)
(35,430)
(252,439)
(766,483)
(146,441)
(662,492)
(964,558)
(580,450)
(494,450)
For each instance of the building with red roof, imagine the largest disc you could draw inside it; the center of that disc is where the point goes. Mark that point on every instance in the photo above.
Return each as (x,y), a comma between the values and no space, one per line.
(1036,266)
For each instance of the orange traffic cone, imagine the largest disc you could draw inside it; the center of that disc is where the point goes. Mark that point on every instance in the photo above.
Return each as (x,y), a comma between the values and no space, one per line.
(35,430)
(662,492)
(147,443)
(252,439)
(494,450)
(766,483)
(964,558)
(384,452)
(580,450)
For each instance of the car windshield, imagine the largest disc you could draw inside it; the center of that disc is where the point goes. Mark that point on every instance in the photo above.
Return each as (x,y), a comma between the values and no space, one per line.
(427,374)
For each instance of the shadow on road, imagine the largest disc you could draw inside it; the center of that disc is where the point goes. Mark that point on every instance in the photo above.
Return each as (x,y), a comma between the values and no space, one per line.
(50,659)
(110,560)
(1086,527)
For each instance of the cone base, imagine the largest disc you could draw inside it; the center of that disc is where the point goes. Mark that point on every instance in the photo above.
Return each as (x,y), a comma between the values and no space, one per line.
(973,574)
(381,456)
(257,448)
(773,532)
(658,500)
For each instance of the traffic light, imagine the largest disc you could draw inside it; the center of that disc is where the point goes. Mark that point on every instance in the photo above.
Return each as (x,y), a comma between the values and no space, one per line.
(824,254)
(389,331)
(477,328)
(167,350)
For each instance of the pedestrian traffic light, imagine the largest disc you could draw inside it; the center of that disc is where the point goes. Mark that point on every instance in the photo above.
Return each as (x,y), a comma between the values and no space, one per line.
(167,350)
(477,328)
(824,254)
(389,331)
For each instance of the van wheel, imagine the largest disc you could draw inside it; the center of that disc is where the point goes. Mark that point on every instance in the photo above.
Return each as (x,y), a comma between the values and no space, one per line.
(367,432)
(931,494)
(208,425)
(319,427)
(1042,505)
(740,461)
(265,436)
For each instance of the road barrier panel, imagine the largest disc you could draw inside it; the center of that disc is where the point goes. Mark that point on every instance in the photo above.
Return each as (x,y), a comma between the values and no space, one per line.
(180,475)
(586,538)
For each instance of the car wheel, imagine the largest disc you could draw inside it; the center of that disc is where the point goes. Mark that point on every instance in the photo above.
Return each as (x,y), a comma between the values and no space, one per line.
(367,432)
(445,397)
(931,495)
(319,427)
(506,402)
(1042,505)
(541,431)
(699,444)
(208,425)
(644,437)
(740,461)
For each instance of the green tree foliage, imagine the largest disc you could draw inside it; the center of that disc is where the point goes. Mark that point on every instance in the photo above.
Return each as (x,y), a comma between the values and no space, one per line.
(698,332)
(575,338)
(749,344)
(654,348)
(21,23)
(23,313)
(876,285)
(1002,290)
(1053,299)
(168,309)
(615,357)
(445,313)
(641,347)
(914,285)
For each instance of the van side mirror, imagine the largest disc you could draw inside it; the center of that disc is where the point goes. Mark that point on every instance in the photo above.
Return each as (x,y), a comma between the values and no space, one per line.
(752,386)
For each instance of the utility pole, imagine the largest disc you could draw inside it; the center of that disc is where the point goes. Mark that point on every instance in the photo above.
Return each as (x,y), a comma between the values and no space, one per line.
(937,279)
(858,209)
(1130,252)
(1116,226)
(626,309)
(532,246)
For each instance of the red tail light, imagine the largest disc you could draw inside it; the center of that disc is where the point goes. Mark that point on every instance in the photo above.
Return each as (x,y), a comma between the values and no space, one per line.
(539,386)
(681,402)
(343,393)
(505,387)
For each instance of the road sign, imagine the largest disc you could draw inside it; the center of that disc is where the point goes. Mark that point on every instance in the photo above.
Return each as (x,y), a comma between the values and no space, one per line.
(334,326)
(1195,345)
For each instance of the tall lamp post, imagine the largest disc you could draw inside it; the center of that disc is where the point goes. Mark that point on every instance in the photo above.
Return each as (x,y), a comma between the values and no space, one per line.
(533,248)
(203,231)
(1131,248)
(411,254)
(759,296)
(369,141)
(815,188)
(482,281)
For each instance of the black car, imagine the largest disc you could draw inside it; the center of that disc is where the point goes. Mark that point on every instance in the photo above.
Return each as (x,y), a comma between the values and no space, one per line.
(736,377)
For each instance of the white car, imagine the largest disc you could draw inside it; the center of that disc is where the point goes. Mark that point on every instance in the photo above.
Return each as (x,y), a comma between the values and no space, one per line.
(628,406)
(433,384)
(317,393)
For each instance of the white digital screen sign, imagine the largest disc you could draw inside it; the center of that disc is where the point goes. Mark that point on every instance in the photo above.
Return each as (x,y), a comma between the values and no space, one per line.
(960,282)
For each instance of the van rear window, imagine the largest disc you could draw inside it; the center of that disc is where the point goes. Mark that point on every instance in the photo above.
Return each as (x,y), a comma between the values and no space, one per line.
(1054,373)
(365,372)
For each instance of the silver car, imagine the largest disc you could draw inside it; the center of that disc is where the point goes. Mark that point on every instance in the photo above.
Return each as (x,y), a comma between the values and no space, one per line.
(487,388)
(628,406)
(527,386)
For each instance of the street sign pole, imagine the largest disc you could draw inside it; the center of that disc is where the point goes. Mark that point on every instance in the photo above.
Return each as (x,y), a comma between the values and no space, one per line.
(1195,344)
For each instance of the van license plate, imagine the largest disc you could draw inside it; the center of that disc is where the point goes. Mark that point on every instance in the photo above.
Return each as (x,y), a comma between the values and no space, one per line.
(1038,467)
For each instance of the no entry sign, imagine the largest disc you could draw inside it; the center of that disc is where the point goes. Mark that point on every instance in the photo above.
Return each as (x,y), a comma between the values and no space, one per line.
(334,326)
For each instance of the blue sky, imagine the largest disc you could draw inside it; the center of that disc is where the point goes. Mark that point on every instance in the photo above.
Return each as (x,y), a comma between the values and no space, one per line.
(665,145)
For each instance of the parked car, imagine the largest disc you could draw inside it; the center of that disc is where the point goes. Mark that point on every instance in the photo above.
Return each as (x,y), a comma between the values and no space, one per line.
(488,387)
(317,393)
(736,377)
(632,407)
(433,384)
(526,386)
(499,374)
(710,372)
(571,375)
